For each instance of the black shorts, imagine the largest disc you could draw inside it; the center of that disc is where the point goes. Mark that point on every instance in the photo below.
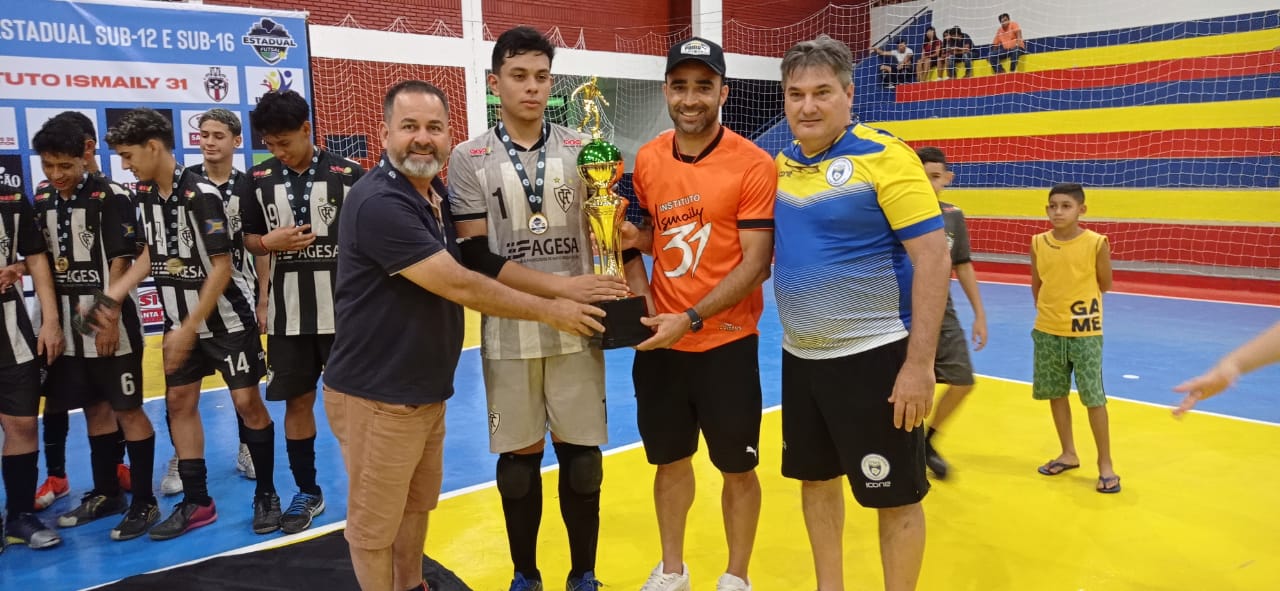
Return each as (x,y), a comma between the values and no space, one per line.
(836,420)
(20,389)
(77,382)
(717,391)
(237,356)
(294,364)
(952,365)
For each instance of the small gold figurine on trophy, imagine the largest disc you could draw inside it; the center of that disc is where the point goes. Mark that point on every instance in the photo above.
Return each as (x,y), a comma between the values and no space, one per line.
(600,166)
(591,95)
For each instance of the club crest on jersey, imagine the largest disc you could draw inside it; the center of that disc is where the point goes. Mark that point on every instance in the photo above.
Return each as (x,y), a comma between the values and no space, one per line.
(564,196)
(185,234)
(235,223)
(494,420)
(478,151)
(216,84)
(328,213)
(86,238)
(839,171)
(5,243)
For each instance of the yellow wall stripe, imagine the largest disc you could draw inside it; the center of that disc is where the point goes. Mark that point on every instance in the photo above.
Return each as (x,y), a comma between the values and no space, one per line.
(1225,114)
(1171,205)
(1149,52)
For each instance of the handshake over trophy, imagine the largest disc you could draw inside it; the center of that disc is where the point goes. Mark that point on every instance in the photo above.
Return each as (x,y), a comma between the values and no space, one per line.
(600,166)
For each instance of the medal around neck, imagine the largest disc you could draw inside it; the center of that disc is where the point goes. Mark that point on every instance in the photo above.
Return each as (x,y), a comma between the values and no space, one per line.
(174,266)
(600,166)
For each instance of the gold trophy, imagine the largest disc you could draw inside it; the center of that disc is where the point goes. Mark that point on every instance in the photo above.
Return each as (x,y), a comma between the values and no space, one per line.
(600,166)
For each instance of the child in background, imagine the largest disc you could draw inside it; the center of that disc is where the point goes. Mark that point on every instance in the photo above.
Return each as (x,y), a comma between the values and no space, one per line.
(951,364)
(1070,269)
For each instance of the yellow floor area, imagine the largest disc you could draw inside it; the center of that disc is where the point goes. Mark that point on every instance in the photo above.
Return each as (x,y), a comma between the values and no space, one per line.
(1197,511)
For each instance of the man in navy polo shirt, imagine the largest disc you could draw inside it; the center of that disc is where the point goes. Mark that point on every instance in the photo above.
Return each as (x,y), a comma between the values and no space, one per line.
(398,315)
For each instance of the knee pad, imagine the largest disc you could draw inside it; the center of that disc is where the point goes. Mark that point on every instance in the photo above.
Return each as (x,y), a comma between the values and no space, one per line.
(581,466)
(517,474)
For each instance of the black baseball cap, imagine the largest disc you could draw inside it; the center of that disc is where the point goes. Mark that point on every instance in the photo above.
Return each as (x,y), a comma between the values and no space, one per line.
(698,49)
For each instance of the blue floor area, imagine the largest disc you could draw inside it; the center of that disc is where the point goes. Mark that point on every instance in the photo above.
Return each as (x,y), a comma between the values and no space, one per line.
(1160,341)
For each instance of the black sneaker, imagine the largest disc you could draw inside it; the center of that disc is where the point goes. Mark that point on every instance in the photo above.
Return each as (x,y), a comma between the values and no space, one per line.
(137,521)
(935,462)
(185,517)
(93,505)
(266,513)
(300,512)
(26,528)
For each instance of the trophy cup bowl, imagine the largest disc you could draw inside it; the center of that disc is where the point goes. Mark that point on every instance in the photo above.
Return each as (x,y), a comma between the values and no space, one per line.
(600,166)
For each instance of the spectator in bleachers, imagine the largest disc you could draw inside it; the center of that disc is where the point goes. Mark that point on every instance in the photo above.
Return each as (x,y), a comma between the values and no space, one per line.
(1008,43)
(958,47)
(930,55)
(897,71)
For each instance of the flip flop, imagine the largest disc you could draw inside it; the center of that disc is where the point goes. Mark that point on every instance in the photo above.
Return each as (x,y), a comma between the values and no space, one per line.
(1114,488)
(1054,468)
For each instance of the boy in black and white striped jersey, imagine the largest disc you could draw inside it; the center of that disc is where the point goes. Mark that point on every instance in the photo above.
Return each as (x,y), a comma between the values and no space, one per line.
(299,194)
(22,354)
(90,225)
(208,315)
(220,137)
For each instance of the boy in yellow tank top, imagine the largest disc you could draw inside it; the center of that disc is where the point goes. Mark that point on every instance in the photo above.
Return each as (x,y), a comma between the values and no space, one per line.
(1070,269)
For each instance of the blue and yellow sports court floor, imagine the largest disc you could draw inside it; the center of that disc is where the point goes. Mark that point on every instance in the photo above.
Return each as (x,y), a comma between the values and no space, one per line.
(1198,510)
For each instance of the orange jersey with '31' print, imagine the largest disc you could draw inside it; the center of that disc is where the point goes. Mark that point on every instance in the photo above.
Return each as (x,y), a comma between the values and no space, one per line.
(697,209)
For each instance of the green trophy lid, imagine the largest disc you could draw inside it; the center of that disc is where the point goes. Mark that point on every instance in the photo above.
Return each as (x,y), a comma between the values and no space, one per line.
(599,151)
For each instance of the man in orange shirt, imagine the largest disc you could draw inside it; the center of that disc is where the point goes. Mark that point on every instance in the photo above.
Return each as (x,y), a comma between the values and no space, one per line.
(1008,43)
(708,196)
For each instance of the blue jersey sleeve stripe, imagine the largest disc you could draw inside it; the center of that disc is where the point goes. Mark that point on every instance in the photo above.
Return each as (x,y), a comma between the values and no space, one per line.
(919,228)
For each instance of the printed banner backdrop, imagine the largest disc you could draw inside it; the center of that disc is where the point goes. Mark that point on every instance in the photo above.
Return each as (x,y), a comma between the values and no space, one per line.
(104,59)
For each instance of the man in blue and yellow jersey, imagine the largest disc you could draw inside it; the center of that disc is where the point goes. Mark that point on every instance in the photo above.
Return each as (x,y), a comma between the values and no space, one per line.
(860,278)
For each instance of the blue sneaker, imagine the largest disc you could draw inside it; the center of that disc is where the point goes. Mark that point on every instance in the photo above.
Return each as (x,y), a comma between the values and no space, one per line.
(519,583)
(301,510)
(587,582)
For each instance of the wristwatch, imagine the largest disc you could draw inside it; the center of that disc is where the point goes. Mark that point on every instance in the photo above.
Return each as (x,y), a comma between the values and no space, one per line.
(695,321)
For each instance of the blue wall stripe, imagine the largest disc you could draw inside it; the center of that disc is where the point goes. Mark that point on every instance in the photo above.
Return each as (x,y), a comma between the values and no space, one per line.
(1250,172)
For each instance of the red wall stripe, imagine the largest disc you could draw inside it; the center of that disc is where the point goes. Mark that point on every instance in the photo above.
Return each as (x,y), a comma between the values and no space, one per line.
(1211,245)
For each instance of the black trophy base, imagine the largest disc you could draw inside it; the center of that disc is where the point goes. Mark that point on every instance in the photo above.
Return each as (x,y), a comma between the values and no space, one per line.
(622,326)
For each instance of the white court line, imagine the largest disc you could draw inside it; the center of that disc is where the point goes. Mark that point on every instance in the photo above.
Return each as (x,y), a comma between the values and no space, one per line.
(1148,295)
(1153,404)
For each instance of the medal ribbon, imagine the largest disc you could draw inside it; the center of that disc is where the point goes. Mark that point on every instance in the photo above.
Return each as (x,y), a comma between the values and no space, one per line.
(63,212)
(532,191)
(301,214)
(173,204)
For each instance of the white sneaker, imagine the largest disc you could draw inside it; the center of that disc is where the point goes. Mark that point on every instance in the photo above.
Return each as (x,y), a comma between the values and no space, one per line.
(729,582)
(244,463)
(171,484)
(660,581)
